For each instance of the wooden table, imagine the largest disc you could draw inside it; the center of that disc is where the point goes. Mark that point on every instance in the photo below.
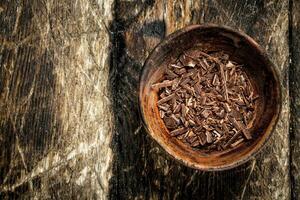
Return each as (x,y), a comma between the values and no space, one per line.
(69,123)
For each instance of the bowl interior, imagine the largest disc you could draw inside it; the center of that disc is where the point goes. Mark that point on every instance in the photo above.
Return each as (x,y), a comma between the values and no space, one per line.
(242,49)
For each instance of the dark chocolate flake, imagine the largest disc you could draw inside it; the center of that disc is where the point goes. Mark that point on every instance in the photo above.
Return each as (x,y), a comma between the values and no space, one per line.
(207,101)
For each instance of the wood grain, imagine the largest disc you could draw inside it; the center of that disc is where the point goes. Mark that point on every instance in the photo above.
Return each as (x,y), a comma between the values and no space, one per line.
(55,121)
(295,97)
(141,169)
(69,123)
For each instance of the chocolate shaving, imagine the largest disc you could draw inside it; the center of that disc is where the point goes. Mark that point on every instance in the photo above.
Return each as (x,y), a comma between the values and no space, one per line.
(166,99)
(208,137)
(240,127)
(207,101)
(178,131)
(166,83)
(187,61)
(237,142)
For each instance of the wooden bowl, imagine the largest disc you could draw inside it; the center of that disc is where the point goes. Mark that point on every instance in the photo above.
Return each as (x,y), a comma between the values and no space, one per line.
(242,49)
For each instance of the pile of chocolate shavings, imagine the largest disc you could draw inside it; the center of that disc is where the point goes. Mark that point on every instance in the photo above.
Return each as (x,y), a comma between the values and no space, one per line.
(207,101)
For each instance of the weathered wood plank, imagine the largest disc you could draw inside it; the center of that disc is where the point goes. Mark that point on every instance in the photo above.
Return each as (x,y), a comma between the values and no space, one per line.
(295,97)
(55,117)
(141,169)
(54,107)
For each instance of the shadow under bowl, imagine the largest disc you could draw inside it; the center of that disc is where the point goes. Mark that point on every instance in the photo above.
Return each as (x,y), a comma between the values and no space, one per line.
(241,49)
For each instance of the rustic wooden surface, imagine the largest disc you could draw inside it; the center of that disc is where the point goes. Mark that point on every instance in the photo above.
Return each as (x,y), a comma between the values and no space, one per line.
(55,127)
(69,123)
(295,97)
(143,171)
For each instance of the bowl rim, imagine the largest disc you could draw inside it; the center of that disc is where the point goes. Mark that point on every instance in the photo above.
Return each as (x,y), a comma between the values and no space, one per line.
(275,74)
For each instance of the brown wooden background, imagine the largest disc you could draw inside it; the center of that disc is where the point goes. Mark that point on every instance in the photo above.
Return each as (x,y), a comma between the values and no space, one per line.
(69,123)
